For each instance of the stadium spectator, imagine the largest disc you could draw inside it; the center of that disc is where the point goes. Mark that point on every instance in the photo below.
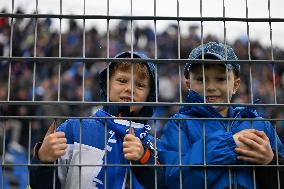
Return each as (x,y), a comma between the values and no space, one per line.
(72,146)
(191,141)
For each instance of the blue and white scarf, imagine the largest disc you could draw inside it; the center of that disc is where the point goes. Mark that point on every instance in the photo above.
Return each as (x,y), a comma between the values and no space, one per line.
(121,127)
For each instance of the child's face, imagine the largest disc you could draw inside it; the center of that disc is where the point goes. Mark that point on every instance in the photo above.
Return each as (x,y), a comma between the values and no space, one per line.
(120,88)
(219,86)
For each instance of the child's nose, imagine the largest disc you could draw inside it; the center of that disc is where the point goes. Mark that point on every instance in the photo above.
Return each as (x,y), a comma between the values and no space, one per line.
(209,86)
(128,87)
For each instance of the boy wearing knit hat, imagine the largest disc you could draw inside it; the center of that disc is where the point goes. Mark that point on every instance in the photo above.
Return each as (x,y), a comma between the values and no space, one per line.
(198,135)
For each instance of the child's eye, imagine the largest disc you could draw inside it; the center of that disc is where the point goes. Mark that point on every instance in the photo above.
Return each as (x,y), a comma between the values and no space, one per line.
(221,79)
(140,85)
(199,79)
(122,80)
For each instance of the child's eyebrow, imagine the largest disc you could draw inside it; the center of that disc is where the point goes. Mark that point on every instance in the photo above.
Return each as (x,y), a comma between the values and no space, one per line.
(222,74)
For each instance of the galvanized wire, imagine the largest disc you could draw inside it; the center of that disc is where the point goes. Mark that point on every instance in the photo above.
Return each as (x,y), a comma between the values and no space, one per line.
(112,17)
(59,60)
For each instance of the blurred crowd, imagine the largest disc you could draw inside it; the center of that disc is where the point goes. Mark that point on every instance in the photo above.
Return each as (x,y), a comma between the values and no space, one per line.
(267,82)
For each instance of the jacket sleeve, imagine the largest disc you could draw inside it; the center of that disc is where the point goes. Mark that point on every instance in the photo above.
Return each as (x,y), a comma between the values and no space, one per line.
(148,175)
(273,138)
(267,177)
(42,177)
(219,150)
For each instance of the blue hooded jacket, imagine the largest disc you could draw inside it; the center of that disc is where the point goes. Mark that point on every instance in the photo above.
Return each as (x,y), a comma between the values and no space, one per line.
(101,143)
(216,137)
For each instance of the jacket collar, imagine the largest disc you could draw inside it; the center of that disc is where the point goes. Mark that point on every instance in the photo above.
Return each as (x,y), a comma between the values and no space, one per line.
(209,111)
(198,111)
(123,111)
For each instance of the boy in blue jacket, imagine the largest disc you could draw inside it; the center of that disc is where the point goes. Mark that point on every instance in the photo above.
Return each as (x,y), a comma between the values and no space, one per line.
(193,143)
(104,141)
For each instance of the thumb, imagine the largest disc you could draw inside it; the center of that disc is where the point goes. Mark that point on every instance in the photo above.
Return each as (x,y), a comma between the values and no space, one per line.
(131,131)
(51,128)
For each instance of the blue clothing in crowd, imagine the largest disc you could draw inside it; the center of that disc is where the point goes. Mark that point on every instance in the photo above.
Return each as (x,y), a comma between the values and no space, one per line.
(219,145)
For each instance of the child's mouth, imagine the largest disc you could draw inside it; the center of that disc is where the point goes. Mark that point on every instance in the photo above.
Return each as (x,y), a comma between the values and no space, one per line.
(125,99)
(211,99)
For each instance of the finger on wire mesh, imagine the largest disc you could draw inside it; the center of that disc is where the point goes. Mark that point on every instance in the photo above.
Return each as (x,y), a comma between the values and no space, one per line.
(51,128)
(131,131)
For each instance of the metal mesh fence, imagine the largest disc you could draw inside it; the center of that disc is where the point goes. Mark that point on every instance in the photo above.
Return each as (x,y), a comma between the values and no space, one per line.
(48,75)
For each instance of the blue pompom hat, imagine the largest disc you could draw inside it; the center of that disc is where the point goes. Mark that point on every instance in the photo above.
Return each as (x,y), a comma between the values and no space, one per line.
(213,50)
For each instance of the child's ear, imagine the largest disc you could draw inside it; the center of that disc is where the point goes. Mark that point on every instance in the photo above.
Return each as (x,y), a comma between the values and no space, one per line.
(237,84)
(187,83)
